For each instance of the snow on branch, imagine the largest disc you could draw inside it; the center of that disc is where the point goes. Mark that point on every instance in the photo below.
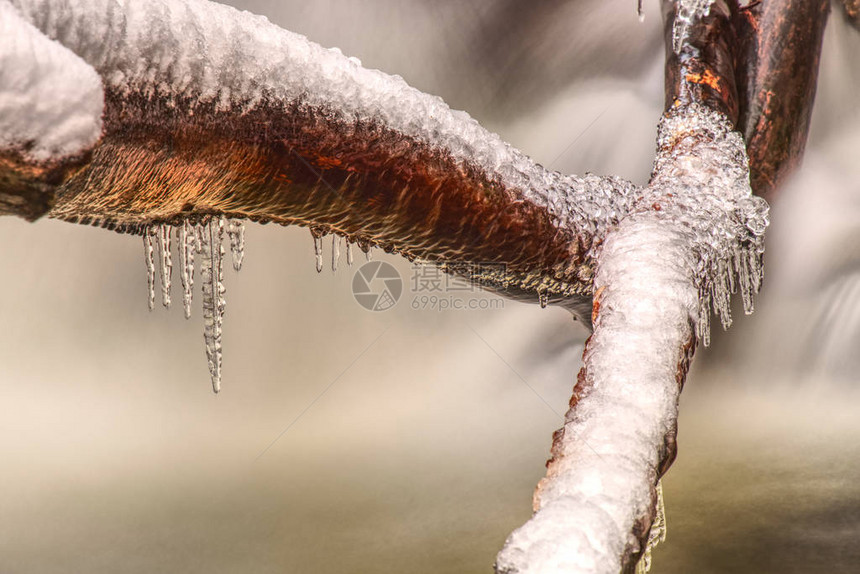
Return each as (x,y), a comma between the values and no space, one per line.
(696,234)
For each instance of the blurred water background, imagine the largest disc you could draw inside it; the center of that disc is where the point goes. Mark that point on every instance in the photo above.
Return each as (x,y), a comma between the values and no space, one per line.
(410,441)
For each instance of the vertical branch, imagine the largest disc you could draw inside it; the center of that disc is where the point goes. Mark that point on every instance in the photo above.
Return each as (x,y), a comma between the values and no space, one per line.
(779,48)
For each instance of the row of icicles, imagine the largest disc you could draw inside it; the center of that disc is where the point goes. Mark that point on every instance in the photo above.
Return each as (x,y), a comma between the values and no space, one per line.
(204,241)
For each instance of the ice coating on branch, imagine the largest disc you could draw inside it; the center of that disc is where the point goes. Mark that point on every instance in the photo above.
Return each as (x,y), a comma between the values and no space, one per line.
(701,182)
(603,476)
(149,259)
(195,52)
(166,263)
(236,232)
(695,232)
(186,238)
(688,12)
(50,99)
(212,277)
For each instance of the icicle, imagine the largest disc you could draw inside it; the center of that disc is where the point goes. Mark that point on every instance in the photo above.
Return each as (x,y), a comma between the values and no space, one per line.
(349,252)
(166,262)
(149,257)
(369,253)
(543,299)
(317,234)
(199,233)
(639,11)
(335,251)
(236,231)
(186,237)
(703,325)
(212,272)
(656,535)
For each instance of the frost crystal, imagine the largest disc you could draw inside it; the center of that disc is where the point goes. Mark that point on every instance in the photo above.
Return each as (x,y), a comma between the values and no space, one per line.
(688,12)
(166,262)
(149,259)
(186,237)
(212,274)
(236,232)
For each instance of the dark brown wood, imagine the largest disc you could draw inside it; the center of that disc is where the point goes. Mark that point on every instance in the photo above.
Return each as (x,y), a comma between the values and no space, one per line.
(779,48)
(703,70)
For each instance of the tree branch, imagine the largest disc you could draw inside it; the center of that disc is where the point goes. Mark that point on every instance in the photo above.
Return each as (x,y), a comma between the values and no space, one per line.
(311,138)
(778,52)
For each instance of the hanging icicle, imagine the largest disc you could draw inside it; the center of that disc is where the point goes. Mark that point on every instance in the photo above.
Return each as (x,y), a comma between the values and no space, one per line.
(165,261)
(212,273)
(317,235)
(236,232)
(349,252)
(335,251)
(149,259)
(186,237)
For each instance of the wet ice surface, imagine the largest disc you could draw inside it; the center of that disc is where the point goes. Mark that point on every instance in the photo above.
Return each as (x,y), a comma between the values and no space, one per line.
(688,12)
(50,99)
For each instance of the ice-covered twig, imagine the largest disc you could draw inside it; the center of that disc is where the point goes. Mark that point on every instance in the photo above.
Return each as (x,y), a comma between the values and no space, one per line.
(596,505)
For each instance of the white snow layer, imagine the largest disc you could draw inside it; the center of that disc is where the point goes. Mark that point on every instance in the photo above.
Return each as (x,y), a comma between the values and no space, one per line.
(696,234)
(604,481)
(201,52)
(50,99)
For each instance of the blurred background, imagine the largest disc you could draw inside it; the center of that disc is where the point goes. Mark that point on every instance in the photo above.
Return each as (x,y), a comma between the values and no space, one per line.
(410,441)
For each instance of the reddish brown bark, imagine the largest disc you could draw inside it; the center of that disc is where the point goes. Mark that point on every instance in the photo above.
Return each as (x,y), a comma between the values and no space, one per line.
(703,70)
(309,166)
(779,48)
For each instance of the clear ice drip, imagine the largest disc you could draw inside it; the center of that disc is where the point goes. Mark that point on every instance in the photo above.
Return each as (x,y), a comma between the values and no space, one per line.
(688,12)
(187,240)
(349,252)
(335,251)
(656,535)
(212,273)
(318,248)
(166,262)
(149,259)
(701,180)
(199,234)
(236,232)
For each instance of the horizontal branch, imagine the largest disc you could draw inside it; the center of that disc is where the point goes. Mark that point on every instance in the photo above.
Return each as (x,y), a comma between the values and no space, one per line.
(209,111)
